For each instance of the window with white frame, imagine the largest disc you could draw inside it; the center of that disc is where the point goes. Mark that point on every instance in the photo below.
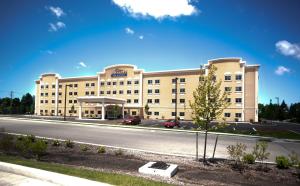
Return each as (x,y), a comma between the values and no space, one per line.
(238,115)
(238,100)
(238,77)
(227,115)
(238,89)
(227,77)
(150,82)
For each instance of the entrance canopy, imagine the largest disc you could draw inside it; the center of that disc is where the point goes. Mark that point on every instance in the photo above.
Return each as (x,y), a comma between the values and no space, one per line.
(102,100)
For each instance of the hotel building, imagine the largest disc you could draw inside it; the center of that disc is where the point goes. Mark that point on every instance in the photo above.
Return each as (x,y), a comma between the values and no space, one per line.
(132,88)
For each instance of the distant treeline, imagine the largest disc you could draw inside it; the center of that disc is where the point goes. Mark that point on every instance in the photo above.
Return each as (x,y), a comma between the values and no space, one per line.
(279,112)
(17,106)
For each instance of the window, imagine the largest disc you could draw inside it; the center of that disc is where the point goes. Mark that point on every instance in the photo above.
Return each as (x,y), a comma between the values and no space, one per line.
(108,83)
(92,93)
(238,115)
(75,85)
(149,91)
(86,111)
(157,81)
(92,112)
(87,85)
(53,101)
(149,82)
(53,93)
(136,91)
(228,100)
(46,94)
(70,93)
(238,77)
(136,101)
(101,92)
(46,101)
(227,115)
(42,94)
(53,86)
(59,111)
(42,101)
(201,78)
(87,93)
(156,91)
(173,100)
(102,83)
(92,84)
(156,113)
(114,83)
(114,92)
(75,93)
(182,90)
(99,111)
(149,113)
(227,77)
(59,86)
(182,101)
(156,101)
(59,101)
(42,87)
(133,113)
(108,92)
(182,80)
(121,91)
(136,82)
(238,89)
(70,85)
(227,89)
(128,91)
(149,101)
(181,114)
(75,101)
(128,82)
(70,101)
(173,114)
(128,100)
(173,90)
(47,86)
(174,80)
(238,100)
(59,93)
(121,82)
(46,111)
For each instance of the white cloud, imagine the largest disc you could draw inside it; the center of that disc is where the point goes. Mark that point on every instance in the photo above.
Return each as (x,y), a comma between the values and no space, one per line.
(158,9)
(57,11)
(56,26)
(82,64)
(129,31)
(288,49)
(282,70)
(141,37)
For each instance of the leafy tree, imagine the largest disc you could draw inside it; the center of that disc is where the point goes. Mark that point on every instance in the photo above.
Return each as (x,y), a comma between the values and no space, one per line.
(147,109)
(283,111)
(27,102)
(260,151)
(72,110)
(209,102)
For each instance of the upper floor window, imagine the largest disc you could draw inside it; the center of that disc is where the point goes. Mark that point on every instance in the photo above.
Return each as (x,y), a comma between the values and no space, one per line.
(42,94)
(238,115)
(70,93)
(102,83)
(114,92)
(108,92)
(157,81)
(87,93)
(42,86)
(53,93)
(87,85)
(53,86)
(173,100)
(156,91)
(121,91)
(149,100)
(227,89)
(156,113)
(174,80)
(238,89)
(46,94)
(156,101)
(75,93)
(59,93)
(238,100)
(108,83)
(182,100)
(228,100)
(238,77)
(92,93)
(173,90)
(149,82)
(128,82)
(149,91)
(136,91)
(128,91)
(136,101)
(227,115)
(181,114)
(59,86)
(136,82)
(128,100)
(75,85)
(182,80)
(227,77)
(114,83)
(182,90)
(121,82)
(47,86)
(101,92)
(92,84)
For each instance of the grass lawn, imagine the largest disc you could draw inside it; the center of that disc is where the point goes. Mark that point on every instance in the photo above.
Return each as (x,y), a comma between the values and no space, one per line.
(111,178)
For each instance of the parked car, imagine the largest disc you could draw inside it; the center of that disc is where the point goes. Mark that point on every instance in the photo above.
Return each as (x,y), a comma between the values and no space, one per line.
(171,123)
(132,120)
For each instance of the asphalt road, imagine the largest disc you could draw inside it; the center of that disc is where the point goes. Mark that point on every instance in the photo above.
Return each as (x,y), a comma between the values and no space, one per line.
(167,142)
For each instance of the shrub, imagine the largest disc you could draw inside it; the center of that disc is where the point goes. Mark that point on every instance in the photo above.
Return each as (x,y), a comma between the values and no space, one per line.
(236,152)
(23,146)
(282,162)
(101,150)
(249,159)
(38,148)
(6,142)
(294,159)
(55,143)
(84,148)
(20,138)
(31,138)
(69,144)
(119,152)
(260,151)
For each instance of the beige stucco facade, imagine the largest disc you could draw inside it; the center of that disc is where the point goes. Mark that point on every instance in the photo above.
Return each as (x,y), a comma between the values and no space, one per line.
(157,89)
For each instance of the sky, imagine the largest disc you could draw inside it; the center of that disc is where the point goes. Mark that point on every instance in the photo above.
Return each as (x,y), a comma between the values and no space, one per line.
(80,38)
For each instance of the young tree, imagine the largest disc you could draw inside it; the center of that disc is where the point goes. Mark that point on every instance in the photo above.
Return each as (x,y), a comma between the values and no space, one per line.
(72,110)
(147,109)
(209,102)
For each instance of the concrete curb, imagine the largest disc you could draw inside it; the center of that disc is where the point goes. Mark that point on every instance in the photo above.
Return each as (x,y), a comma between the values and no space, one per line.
(52,177)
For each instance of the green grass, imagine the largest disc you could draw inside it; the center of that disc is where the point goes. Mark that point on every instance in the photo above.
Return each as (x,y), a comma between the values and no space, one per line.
(111,178)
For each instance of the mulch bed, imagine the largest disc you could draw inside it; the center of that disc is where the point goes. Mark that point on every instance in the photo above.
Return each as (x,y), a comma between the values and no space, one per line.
(221,172)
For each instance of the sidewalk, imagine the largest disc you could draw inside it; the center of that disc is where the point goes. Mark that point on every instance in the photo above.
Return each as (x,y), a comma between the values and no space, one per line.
(11,174)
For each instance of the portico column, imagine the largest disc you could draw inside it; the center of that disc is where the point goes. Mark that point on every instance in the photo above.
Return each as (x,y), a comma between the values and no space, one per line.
(123,110)
(80,110)
(103,112)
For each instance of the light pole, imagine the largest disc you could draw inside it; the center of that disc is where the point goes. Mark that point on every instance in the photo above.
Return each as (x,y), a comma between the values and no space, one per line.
(65,101)
(176,80)
(277,100)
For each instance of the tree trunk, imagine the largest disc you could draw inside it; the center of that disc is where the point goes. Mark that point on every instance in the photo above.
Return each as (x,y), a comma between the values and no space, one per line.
(205,142)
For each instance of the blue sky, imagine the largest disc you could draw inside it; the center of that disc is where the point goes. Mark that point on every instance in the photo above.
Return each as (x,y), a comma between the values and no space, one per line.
(74,38)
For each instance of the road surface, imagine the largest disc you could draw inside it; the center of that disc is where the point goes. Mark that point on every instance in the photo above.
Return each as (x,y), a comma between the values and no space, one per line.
(166,142)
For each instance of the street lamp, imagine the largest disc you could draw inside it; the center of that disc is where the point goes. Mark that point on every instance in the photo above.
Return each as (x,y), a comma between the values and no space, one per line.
(65,101)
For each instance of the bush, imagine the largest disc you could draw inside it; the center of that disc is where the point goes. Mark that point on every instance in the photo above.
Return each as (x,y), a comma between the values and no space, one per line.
(294,159)
(236,152)
(56,143)
(69,144)
(260,151)
(31,138)
(84,148)
(249,159)
(38,148)
(101,150)
(119,152)
(282,162)
(20,138)
(23,146)
(6,142)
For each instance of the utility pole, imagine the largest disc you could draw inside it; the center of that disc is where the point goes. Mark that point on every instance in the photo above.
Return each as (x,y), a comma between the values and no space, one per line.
(176,80)
(65,101)
(11,100)
(277,100)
